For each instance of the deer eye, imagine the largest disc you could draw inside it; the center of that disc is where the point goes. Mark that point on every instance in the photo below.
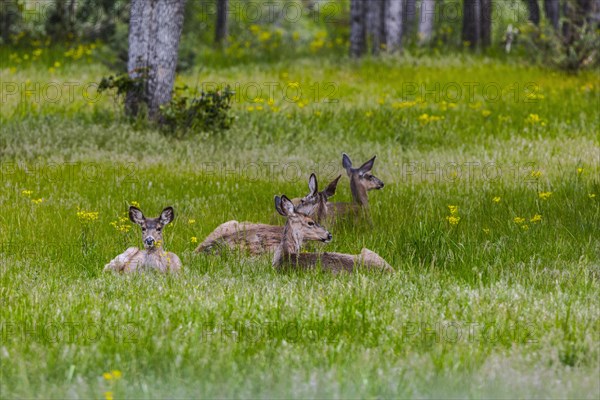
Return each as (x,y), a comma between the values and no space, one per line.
(143,229)
(158,229)
(310,223)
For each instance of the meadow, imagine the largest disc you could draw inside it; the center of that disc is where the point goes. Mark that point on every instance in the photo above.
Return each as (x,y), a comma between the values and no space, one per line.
(490,216)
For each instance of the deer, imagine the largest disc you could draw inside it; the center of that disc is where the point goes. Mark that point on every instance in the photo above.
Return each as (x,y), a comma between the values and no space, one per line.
(259,238)
(361,182)
(153,257)
(299,228)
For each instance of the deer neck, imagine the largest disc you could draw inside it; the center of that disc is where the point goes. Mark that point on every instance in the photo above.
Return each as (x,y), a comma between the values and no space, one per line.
(321,213)
(290,243)
(359,193)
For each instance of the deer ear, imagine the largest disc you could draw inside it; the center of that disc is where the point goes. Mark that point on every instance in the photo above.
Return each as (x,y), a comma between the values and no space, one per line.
(136,216)
(346,162)
(330,190)
(312,184)
(167,215)
(278,205)
(366,167)
(287,206)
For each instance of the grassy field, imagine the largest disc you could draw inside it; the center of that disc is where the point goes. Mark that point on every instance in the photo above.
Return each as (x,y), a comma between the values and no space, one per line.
(497,297)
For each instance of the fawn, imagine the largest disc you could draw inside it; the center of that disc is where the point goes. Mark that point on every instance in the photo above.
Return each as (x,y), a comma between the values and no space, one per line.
(153,257)
(361,182)
(299,228)
(263,238)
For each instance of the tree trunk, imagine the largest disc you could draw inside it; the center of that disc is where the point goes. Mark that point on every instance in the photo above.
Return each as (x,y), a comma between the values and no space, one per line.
(426,19)
(357,28)
(410,16)
(393,25)
(375,27)
(486,23)
(471,31)
(552,11)
(154,33)
(534,11)
(222,22)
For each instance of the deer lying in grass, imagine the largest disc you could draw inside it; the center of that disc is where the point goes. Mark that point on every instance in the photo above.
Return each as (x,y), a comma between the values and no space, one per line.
(153,257)
(361,182)
(299,228)
(315,204)
(263,238)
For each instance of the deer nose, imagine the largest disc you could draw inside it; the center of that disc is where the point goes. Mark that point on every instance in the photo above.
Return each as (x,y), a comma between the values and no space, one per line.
(329,237)
(149,241)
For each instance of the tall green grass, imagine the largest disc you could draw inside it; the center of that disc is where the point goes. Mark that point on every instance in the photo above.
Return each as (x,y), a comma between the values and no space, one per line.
(491,306)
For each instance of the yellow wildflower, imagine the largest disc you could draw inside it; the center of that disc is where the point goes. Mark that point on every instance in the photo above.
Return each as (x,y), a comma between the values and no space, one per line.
(135,204)
(116,374)
(453,220)
(27,193)
(107,375)
(194,239)
(37,201)
(453,209)
(533,119)
(536,174)
(191,221)
(87,216)
(369,114)
(486,113)
(496,199)
(486,230)
(592,195)
(580,171)
(108,396)
(524,227)
(519,220)
(544,195)
(294,85)
(535,218)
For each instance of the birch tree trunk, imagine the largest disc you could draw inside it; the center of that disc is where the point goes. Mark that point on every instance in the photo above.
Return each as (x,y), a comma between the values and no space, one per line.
(358,40)
(393,24)
(410,15)
(375,26)
(154,32)
(426,19)
(221,26)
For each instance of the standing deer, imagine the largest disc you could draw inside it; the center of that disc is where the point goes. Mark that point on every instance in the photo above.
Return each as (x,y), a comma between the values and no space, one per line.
(299,228)
(263,238)
(361,182)
(153,257)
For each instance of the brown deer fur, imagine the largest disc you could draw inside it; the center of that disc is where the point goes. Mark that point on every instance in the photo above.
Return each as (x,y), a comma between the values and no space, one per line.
(153,257)
(263,238)
(300,228)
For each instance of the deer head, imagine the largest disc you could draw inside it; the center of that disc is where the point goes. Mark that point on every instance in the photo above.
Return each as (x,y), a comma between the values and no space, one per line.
(361,179)
(298,227)
(315,203)
(151,227)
